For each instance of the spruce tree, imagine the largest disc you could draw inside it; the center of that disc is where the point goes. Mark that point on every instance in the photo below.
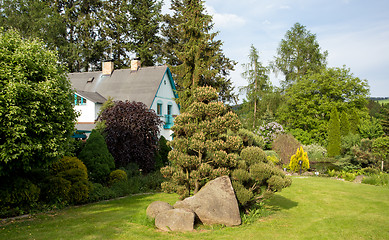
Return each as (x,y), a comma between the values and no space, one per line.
(334,138)
(194,54)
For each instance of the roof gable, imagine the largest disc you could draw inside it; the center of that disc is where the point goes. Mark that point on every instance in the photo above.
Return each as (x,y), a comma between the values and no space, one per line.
(123,84)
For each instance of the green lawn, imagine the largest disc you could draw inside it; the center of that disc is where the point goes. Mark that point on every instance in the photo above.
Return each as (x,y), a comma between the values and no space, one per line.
(383,101)
(312,208)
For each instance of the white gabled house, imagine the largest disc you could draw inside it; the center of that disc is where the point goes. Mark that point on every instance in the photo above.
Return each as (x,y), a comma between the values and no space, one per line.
(154,86)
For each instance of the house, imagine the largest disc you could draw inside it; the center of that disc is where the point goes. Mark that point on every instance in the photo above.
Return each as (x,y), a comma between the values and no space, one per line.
(154,86)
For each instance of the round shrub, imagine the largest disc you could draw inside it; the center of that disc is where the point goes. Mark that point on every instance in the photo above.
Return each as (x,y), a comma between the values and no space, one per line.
(21,193)
(68,163)
(251,139)
(253,155)
(117,176)
(69,169)
(285,146)
(56,189)
(243,195)
(96,157)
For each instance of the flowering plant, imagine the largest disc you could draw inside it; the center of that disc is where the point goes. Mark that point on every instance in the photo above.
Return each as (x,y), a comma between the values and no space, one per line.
(269,132)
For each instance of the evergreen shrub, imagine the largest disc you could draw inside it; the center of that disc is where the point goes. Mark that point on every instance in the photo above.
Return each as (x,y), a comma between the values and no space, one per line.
(68,170)
(97,158)
(295,159)
(251,139)
(117,176)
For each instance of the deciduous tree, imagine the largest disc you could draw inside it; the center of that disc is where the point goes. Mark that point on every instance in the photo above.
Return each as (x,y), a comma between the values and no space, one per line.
(298,53)
(131,134)
(36,114)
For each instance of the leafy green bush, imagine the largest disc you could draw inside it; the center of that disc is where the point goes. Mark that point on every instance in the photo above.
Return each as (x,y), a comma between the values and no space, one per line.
(348,142)
(285,145)
(370,128)
(117,176)
(295,159)
(100,192)
(302,136)
(72,170)
(96,157)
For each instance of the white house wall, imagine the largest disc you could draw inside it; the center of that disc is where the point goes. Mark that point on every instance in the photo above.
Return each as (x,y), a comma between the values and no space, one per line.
(88,112)
(165,96)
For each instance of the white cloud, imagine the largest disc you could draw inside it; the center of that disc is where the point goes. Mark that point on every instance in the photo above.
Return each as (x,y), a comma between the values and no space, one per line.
(225,20)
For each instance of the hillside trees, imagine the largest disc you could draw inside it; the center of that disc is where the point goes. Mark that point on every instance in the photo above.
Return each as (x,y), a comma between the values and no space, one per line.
(131,132)
(196,57)
(298,54)
(36,114)
(308,102)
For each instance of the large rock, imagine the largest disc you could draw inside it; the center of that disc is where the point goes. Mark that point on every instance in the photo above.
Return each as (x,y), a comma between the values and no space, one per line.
(157,207)
(175,220)
(215,203)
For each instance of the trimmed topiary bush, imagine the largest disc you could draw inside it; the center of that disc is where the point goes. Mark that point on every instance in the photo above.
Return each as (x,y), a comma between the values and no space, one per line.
(117,176)
(256,178)
(97,158)
(295,159)
(250,139)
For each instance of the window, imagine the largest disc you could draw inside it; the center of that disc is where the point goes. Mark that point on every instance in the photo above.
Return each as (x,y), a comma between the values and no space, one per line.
(159,109)
(169,109)
(78,100)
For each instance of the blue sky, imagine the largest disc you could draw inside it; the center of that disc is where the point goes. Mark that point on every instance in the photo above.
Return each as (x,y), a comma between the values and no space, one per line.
(354,32)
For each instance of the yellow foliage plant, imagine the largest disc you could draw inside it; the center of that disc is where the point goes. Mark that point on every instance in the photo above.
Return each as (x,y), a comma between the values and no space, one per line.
(295,159)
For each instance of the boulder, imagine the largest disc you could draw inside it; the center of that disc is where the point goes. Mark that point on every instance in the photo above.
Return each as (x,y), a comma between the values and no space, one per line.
(157,207)
(175,220)
(215,203)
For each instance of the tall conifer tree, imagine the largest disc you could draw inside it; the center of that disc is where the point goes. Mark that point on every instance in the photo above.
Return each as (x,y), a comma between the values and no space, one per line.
(195,56)
(334,138)
(344,124)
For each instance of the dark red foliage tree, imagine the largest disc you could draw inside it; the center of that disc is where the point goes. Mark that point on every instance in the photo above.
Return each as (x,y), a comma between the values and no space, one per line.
(131,132)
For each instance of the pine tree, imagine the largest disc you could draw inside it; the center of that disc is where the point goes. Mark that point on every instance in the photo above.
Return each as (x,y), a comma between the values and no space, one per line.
(334,139)
(195,56)
(344,124)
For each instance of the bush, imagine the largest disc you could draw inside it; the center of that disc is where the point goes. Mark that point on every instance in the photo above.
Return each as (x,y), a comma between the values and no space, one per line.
(64,171)
(251,139)
(381,179)
(255,178)
(117,176)
(295,159)
(96,157)
(285,145)
(316,153)
(348,142)
(99,192)
(302,136)
(269,132)
(161,157)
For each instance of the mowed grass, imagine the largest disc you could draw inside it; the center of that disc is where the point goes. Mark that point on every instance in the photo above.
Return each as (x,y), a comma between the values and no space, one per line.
(383,101)
(312,208)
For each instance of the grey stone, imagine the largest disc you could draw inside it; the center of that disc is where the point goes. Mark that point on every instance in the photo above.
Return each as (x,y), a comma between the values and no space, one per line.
(175,220)
(215,203)
(157,207)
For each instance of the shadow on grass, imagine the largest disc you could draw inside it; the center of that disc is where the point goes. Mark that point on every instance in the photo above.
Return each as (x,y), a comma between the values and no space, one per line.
(277,203)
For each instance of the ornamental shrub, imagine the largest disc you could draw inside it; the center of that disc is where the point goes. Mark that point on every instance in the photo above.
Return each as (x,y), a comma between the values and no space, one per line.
(161,156)
(250,139)
(316,152)
(69,170)
(380,149)
(202,149)
(97,158)
(285,146)
(131,132)
(295,159)
(256,178)
(269,132)
(117,176)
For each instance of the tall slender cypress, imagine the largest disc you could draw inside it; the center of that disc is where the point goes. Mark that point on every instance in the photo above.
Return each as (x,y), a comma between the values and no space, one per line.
(334,138)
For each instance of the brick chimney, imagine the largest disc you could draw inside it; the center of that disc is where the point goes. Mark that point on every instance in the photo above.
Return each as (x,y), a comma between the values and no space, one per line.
(107,67)
(135,64)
